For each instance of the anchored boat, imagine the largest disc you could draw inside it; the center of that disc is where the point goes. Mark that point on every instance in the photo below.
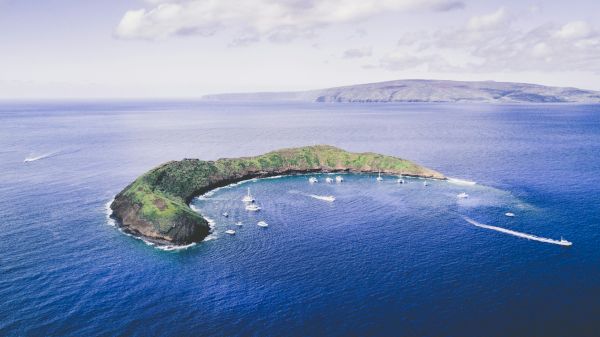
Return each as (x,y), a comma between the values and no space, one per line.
(248,198)
(252,208)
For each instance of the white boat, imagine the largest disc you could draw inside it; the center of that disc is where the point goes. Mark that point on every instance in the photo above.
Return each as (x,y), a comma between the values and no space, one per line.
(252,208)
(262,224)
(401,181)
(463,195)
(328,180)
(339,179)
(564,242)
(379,177)
(509,214)
(239,224)
(329,198)
(230,231)
(248,198)
(313,180)
(226,214)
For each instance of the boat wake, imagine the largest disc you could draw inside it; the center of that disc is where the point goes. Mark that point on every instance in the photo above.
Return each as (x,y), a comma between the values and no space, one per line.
(40,157)
(461,182)
(48,155)
(561,242)
(328,198)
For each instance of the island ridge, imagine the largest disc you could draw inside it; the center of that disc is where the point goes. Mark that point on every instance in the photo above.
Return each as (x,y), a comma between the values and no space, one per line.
(156,208)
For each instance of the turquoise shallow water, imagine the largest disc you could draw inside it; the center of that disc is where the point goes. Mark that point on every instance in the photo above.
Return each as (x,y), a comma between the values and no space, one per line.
(382,259)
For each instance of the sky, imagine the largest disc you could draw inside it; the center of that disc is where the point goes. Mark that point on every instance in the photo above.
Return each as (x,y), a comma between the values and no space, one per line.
(55,49)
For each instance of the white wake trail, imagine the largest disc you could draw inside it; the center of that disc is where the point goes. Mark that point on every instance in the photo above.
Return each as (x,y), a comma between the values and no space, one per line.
(461,182)
(328,198)
(40,157)
(50,155)
(561,242)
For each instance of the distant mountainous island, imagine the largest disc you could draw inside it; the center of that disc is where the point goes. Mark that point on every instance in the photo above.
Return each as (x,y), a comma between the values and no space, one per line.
(426,91)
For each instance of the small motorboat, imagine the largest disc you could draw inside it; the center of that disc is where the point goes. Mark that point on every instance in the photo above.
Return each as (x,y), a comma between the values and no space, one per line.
(225,214)
(252,208)
(328,180)
(262,224)
(239,224)
(401,181)
(379,178)
(230,231)
(248,198)
(463,195)
(564,242)
(339,179)
(313,180)
(510,214)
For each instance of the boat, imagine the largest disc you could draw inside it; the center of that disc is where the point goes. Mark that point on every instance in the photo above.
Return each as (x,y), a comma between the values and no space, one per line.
(509,214)
(463,195)
(239,224)
(252,208)
(339,179)
(248,198)
(329,198)
(328,180)
(262,224)
(379,178)
(230,231)
(401,181)
(564,242)
(226,214)
(313,180)
(425,183)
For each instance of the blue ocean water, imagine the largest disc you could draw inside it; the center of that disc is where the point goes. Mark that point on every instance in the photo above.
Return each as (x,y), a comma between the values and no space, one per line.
(383,259)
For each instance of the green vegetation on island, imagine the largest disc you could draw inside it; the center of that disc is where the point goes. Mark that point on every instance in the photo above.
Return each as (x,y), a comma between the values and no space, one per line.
(155,206)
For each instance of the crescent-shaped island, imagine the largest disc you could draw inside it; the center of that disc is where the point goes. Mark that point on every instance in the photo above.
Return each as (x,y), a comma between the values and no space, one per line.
(155,207)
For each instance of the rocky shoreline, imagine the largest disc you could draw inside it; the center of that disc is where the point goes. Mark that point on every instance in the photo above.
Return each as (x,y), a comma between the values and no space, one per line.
(155,206)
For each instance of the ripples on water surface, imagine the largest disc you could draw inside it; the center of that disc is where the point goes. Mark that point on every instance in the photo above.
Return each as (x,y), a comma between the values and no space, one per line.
(382,259)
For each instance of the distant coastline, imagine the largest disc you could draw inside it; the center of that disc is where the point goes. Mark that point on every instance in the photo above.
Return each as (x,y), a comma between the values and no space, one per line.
(425,91)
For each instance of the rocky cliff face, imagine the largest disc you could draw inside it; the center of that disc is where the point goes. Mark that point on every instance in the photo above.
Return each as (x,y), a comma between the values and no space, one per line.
(428,91)
(155,206)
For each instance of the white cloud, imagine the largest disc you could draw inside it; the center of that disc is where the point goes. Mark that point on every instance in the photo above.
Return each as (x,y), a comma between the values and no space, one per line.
(357,53)
(493,43)
(575,30)
(489,21)
(541,50)
(278,20)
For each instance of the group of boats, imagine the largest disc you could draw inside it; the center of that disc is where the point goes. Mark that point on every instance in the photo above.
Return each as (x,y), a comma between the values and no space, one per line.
(399,180)
(251,206)
(329,180)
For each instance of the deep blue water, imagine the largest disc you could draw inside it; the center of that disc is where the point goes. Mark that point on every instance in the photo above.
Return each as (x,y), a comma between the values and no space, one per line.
(382,259)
